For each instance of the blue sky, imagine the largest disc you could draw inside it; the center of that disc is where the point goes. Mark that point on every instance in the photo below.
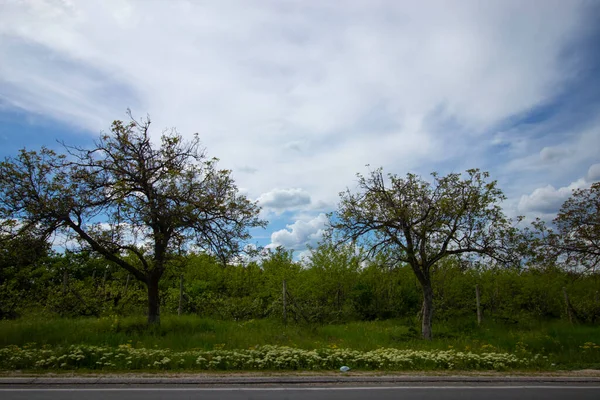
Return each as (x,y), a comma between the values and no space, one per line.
(297,96)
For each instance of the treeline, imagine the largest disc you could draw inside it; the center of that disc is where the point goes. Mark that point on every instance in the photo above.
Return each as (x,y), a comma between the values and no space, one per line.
(139,206)
(333,285)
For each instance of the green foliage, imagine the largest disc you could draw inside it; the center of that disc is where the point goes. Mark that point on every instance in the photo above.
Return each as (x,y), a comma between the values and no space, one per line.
(573,240)
(45,343)
(332,286)
(420,223)
(125,357)
(135,204)
(21,270)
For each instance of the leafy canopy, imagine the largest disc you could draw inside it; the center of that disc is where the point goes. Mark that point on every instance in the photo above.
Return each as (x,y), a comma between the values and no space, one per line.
(574,239)
(127,196)
(421,222)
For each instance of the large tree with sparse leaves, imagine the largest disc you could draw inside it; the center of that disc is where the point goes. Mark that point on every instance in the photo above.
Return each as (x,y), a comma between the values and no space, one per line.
(135,202)
(421,222)
(573,239)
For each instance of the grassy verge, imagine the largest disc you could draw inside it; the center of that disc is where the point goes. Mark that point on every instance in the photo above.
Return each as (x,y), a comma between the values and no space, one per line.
(192,343)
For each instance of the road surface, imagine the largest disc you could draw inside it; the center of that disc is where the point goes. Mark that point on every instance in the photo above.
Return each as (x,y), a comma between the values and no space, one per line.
(332,392)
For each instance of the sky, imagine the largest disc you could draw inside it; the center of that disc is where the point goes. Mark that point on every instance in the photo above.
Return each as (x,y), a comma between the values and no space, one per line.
(298,96)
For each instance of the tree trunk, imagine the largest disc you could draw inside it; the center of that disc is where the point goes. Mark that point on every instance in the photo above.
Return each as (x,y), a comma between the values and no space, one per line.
(568,308)
(477,299)
(284,300)
(427,311)
(179,309)
(153,301)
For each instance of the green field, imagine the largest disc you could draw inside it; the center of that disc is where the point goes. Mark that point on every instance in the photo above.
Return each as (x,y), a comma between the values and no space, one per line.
(548,345)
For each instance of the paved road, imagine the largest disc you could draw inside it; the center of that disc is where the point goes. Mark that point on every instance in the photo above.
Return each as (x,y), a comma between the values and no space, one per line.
(404,392)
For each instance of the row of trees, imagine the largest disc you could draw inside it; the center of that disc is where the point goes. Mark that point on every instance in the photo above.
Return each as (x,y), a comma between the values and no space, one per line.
(421,223)
(332,286)
(144,208)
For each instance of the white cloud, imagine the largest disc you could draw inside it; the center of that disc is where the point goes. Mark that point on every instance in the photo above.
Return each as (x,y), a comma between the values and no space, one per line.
(552,154)
(529,152)
(255,79)
(548,200)
(284,199)
(303,94)
(301,233)
(593,173)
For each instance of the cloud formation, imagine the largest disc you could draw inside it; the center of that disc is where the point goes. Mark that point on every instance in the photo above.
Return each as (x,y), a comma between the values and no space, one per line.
(284,199)
(300,234)
(552,154)
(254,79)
(593,174)
(301,94)
(548,199)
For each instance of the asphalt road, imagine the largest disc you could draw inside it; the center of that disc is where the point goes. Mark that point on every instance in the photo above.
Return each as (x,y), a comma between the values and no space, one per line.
(338,392)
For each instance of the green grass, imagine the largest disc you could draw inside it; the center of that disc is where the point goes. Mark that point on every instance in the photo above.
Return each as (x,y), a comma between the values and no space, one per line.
(562,342)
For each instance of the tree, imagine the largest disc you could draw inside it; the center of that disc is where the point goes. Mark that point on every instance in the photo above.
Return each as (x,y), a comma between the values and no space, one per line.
(578,227)
(19,257)
(127,198)
(22,250)
(332,272)
(422,222)
(575,240)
